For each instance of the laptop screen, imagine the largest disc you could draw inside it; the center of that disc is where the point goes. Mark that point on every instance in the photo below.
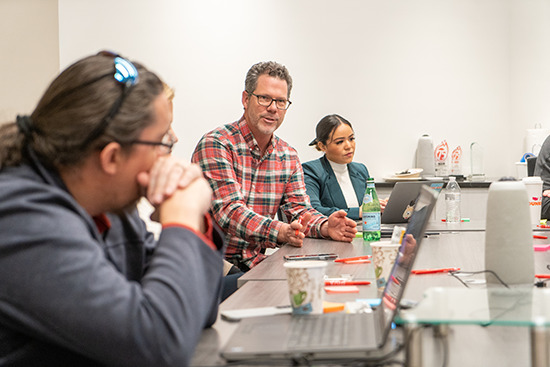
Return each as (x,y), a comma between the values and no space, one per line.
(393,292)
(402,200)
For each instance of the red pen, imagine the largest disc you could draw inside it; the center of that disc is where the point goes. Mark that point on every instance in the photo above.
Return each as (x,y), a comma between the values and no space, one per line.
(360,261)
(352,258)
(346,282)
(541,237)
(433,271)
(297,230)
(395,280)
(543,276)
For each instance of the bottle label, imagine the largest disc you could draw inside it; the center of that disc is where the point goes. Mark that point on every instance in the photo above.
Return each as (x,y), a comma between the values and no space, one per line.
(371,221)
(367,199)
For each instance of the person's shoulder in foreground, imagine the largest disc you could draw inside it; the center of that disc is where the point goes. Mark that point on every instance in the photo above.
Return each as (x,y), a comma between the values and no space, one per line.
(254,174)
(84,283)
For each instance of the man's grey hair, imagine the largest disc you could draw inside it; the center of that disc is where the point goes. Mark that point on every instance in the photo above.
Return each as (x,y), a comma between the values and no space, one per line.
(270,68)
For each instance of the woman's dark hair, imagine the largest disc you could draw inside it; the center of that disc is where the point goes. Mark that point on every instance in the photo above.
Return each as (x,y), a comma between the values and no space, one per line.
(325,129)
(73,106)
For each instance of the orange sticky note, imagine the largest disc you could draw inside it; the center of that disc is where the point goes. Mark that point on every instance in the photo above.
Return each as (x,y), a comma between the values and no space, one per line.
(332,306)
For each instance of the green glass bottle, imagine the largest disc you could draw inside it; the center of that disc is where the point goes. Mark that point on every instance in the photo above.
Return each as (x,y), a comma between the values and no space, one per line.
(371,213)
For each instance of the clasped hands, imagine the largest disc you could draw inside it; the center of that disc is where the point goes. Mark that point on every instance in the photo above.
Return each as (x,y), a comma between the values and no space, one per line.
(178,191)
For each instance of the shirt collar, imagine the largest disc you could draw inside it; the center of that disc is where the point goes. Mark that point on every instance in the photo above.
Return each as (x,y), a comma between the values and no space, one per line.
(338,167)
(251,141)
(102,222)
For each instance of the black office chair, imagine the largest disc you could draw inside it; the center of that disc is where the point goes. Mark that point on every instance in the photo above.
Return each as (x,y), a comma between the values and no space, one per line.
(531,161)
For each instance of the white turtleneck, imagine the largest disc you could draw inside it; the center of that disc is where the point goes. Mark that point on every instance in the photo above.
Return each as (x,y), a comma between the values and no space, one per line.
(342,176)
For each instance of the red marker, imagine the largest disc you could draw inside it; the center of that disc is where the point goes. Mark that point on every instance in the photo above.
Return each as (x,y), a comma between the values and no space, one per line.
(395,279)
(541,237)
(346,282)
(360,261)
(433,271)
(297,230)
(352,258)
(543,276)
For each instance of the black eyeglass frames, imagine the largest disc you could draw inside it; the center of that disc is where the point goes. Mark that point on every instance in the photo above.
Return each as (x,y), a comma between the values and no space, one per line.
(266,101)
(165,145)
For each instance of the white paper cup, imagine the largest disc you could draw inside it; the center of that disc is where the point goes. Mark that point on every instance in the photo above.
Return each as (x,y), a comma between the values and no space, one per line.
(306,286)
(383,257)
(533,185)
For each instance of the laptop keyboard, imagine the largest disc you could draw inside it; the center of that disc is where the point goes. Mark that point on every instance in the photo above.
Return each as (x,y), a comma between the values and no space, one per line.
(319,331)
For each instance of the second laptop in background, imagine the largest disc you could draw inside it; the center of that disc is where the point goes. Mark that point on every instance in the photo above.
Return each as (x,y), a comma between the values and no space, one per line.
(402,199)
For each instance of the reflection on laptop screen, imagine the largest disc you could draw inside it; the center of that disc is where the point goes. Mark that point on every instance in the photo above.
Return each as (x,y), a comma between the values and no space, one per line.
(407,252)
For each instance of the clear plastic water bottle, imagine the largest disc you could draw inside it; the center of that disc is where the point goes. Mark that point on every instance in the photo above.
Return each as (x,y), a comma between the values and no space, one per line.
(371,213)
(452,201)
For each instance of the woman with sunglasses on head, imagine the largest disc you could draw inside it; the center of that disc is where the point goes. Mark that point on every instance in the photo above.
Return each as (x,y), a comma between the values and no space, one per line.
(83,282)
(334,181)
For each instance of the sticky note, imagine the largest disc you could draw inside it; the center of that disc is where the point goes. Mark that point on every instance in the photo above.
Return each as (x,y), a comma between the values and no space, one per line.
(332,306)
(342,289)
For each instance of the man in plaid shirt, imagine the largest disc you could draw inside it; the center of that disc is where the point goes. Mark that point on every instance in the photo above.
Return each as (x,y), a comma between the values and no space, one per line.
(254,174)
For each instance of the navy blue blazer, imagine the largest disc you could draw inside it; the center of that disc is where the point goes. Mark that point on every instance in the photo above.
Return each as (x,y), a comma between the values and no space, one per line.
(324,190)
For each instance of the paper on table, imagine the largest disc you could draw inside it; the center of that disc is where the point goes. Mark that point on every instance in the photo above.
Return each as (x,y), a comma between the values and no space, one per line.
(342,289)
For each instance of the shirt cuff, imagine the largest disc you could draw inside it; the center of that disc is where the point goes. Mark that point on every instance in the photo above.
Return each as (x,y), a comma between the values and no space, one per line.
(319,229)
(207,236)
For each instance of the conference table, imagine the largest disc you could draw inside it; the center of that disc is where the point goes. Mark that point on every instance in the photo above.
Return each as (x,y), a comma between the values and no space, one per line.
(454,246)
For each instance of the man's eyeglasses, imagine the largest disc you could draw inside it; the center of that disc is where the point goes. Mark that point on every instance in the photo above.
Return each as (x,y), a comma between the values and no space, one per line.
(165,145)
(127,75)
(266,101)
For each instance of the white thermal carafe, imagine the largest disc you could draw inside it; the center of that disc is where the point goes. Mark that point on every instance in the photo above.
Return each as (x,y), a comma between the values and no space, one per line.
(508,238)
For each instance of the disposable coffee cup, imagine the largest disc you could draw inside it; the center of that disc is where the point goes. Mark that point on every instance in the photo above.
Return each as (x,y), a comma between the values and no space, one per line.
(533,185)
(521,170)
(306,286)
(383,257)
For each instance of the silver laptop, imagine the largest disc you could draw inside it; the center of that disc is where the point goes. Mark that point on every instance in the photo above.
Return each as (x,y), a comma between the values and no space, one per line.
(335,335)
(402,199)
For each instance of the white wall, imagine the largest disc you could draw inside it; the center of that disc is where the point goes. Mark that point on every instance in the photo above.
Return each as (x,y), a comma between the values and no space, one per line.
(460,70)
(530,65)
(29,53)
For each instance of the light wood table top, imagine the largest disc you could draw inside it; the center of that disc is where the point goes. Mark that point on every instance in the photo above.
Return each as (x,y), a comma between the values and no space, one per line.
(272,267)
(468,345)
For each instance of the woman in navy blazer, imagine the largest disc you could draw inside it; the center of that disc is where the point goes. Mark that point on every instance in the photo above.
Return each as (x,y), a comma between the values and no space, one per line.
(334,182)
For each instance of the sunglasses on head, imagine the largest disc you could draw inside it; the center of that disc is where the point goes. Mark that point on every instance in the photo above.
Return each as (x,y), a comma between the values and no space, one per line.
(127,75)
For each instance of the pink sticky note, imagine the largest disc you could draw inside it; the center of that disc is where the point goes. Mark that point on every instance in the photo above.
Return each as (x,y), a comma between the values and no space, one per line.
(541,247)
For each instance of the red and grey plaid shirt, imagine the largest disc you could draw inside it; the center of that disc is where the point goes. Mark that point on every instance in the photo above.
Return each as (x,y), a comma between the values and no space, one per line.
(249,189)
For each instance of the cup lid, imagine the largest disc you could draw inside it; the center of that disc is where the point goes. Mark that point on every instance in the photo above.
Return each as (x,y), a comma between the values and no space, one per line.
(384,244)
(532,179)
